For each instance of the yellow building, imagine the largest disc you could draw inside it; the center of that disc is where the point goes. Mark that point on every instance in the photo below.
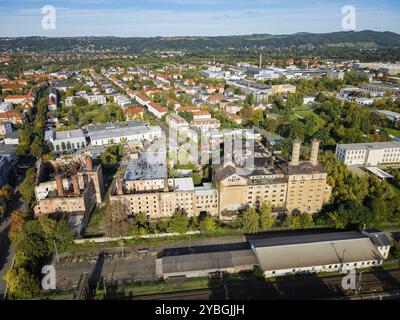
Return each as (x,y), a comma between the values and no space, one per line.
(283,88)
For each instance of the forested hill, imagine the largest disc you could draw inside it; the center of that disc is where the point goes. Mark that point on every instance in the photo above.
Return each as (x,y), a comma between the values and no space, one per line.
(361,39)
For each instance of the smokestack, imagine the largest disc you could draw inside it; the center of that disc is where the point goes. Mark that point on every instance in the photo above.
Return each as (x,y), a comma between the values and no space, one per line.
(75,185)
(295,152)
(260,60)
(166,184)
(59,185)
(314,152)
(118,184)
(89,163)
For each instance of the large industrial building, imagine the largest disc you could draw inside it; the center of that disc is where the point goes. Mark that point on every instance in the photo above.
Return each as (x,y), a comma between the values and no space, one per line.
(72,187)
(278,254)
(297,186)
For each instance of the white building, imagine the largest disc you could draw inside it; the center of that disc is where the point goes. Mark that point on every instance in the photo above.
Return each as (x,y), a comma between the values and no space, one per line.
(320,252)
(156,109)
(205,124)
(114,133)
(5,127)
(65,140)
(176,122)
(392,116)
(370,154)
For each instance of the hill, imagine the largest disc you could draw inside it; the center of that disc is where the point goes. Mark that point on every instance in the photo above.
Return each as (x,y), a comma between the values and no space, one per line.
(362,39)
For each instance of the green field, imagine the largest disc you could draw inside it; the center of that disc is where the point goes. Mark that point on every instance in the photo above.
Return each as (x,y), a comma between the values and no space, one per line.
(393,132)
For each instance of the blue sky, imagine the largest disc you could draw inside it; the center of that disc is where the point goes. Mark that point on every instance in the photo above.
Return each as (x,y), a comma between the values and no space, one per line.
(193,17)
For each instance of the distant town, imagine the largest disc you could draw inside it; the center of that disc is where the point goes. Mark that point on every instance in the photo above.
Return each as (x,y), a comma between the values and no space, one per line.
(152,176)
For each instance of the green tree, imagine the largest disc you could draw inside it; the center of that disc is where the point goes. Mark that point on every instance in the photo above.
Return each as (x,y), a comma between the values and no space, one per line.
(21,284)
(251,220)
(196,178)
(266,218)
(208,224)
(37,147)
(27,186)
(178,223)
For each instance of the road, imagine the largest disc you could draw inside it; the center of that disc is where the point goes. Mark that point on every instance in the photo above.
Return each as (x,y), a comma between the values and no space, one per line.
(7,250)
(306,287)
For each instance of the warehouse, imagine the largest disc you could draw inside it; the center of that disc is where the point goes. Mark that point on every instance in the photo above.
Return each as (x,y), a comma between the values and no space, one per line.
(204,260)
(318,252)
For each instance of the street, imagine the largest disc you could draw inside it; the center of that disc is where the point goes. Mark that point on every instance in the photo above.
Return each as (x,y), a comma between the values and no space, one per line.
(7,250)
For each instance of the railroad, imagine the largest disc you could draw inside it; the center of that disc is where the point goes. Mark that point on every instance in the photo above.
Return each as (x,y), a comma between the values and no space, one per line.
(306,287)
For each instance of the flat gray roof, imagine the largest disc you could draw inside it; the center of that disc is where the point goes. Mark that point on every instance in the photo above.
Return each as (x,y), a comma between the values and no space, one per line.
(288,252)
(371,145)
(208,261)
(115,130)
(64,135)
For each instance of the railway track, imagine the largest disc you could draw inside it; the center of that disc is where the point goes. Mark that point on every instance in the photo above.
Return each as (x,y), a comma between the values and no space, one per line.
(311,287)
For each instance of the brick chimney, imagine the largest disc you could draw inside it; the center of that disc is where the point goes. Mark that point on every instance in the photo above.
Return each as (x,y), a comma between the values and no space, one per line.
(314,152)
(59,185)
(118,185)
(75,185)
(166,184)
(295,152)
(89,163)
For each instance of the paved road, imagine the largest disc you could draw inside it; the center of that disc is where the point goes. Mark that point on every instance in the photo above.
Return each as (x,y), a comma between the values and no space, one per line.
(7,250)
(6,255)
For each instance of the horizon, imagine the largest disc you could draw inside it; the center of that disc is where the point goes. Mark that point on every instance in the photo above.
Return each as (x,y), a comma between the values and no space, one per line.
(202,36)
(193,18)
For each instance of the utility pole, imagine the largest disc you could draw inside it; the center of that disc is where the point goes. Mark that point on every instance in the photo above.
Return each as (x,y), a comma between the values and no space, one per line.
(260,60)
(55,248)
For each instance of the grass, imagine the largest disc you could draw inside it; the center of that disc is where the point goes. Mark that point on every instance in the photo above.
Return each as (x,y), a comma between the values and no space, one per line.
(95,219)
(165,286)
(391,266)
(392,132)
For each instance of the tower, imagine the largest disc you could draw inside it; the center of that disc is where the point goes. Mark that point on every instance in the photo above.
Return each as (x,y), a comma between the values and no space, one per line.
(295,152)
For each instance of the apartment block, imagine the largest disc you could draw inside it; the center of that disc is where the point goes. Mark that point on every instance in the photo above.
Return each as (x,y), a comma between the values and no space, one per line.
(370,154)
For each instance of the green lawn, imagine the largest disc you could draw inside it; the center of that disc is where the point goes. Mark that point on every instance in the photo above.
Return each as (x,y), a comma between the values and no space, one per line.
(393,132)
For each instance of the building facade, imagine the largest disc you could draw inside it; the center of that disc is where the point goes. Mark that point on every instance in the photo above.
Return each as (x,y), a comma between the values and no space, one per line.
(370,154)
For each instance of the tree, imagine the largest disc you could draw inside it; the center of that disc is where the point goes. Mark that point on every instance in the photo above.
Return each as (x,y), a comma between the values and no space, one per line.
(300,220)
(17,221)
(208,224)
(27,186)
(6,192)
(57,232)
(196,178)
(37,147)
(178,223)
(116,221)
(266,218)
(250,220)
(21,284)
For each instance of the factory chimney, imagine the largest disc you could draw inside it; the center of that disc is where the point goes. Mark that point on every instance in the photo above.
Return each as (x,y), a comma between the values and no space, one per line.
(89,163)
(295,152)
(59,185)
(314,152)
(118,184)
(166,184)
(75,185)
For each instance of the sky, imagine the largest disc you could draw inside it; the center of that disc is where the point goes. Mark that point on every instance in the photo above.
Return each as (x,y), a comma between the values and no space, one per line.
(146,18)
